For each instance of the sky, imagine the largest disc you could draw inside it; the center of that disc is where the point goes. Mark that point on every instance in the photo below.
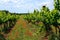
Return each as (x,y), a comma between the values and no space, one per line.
(25,6)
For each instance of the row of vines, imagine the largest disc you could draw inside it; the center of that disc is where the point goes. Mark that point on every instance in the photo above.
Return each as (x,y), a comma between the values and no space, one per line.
(7,21)
(48,18)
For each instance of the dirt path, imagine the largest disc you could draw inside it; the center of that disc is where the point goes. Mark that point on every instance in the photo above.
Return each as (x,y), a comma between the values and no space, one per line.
(16,31)
(21,26)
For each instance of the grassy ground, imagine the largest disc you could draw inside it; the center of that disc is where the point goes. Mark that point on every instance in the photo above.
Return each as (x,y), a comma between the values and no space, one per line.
(24,31)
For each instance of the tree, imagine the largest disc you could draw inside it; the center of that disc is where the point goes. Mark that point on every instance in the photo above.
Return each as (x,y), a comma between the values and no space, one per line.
(57,7)
(57,4)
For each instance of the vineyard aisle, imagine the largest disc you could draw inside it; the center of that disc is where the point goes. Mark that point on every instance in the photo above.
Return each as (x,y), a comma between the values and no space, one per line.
(22,31)
(17,30)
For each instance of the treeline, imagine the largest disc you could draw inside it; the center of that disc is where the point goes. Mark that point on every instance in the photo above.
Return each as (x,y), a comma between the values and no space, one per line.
(48,18)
